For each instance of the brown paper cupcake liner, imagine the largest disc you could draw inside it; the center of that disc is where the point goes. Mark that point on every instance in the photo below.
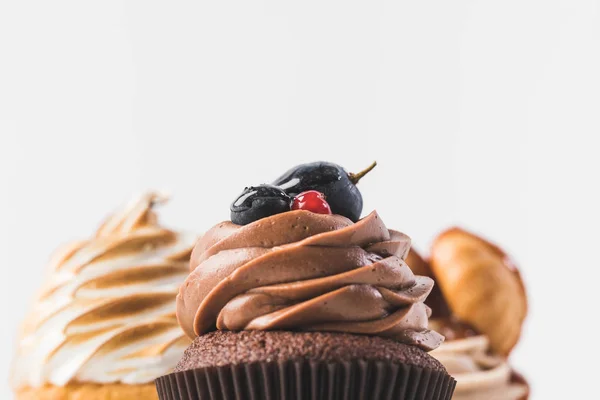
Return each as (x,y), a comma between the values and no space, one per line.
(314,380)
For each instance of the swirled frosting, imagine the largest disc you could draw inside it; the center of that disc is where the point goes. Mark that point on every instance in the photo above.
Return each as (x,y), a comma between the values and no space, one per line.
(304,271)
(107,312)
(478,373)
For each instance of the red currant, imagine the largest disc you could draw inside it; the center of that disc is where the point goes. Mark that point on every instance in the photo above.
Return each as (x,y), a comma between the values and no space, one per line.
(311,200)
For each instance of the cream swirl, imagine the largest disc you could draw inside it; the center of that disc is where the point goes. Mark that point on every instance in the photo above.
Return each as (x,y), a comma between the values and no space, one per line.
(107,313)
(479,374)
(304,271)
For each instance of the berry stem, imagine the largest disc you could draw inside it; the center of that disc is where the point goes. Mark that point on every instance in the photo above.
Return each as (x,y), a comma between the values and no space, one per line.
(354,178)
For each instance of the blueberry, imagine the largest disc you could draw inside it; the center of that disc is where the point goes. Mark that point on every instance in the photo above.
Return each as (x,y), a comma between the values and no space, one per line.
(338,186)
(258,202)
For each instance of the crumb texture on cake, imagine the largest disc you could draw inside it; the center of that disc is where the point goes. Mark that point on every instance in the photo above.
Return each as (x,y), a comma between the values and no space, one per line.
(222,348)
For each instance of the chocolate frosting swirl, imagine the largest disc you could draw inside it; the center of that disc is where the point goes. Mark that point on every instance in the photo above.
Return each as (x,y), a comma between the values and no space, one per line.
(304,271)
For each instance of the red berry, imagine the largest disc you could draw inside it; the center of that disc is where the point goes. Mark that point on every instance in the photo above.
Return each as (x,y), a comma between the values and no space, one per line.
(311,200)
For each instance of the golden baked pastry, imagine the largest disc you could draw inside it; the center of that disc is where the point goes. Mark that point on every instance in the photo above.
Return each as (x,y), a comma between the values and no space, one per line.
(481,286)
(89,391)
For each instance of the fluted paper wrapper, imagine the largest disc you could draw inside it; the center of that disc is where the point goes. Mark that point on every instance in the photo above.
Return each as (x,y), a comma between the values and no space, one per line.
(299,380)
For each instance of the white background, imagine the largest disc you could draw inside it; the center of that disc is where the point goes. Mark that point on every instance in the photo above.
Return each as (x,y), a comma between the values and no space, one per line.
(483,114)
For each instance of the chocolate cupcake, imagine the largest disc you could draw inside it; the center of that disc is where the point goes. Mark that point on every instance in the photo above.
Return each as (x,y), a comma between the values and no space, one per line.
(305,305)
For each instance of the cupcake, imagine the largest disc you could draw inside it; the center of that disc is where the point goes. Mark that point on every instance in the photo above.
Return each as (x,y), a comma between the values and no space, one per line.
(298,298)
(480,309)
(104,325)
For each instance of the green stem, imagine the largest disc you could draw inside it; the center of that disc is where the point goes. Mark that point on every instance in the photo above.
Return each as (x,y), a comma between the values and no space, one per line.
(354,178)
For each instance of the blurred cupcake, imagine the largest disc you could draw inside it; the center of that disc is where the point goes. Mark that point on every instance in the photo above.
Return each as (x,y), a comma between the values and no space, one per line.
(480,373)
(480,309)
(104,325)
(297,301)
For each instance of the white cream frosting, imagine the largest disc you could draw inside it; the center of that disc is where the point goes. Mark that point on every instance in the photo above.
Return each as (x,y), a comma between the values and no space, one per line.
(479,375)
(107,311)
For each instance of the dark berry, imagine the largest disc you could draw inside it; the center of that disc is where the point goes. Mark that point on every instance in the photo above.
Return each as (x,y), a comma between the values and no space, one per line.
(338,186)
(311,200)
(258,202)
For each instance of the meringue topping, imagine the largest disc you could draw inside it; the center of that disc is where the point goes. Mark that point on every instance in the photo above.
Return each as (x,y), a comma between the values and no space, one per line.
(478,373)
(107,312)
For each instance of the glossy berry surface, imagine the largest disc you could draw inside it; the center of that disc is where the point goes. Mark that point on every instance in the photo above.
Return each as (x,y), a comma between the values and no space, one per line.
(338,186)
(258,202)
(313,201)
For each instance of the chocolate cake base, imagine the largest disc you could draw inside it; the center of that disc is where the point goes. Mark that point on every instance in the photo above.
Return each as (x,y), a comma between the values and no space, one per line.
(303,365)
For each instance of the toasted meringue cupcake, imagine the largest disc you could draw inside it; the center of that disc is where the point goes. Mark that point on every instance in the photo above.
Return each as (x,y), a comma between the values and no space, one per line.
(104,324)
